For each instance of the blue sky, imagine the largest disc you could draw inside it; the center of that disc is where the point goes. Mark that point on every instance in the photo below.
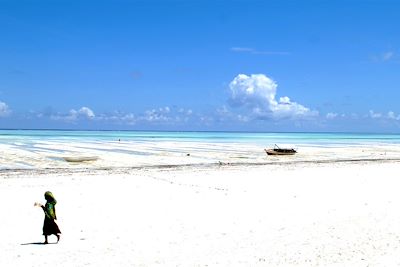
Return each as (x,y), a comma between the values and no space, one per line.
(200,65)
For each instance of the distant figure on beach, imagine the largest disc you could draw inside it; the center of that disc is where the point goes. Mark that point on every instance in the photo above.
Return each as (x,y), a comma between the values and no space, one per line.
(50,226)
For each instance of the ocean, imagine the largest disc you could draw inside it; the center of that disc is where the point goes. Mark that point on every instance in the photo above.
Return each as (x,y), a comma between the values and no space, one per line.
(32,136)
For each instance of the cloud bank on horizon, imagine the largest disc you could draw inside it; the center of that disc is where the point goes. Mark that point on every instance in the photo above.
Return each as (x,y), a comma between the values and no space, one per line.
(252,98)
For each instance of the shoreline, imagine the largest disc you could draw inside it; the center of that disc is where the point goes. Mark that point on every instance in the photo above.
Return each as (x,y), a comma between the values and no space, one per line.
(195,166)
(53,150)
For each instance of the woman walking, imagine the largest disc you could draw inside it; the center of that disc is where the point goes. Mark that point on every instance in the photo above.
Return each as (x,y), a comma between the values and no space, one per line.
(50,226)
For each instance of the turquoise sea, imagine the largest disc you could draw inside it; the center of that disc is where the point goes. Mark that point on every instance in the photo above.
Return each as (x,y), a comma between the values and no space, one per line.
(48,149)
(32,136)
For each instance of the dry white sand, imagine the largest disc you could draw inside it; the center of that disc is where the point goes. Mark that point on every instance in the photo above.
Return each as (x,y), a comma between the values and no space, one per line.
(300,214)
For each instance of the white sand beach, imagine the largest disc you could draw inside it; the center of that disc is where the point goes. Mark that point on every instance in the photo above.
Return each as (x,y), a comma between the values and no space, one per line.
(297,214)
(199,133)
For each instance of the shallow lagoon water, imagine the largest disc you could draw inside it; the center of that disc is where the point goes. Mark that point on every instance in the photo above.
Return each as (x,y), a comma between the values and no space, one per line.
(41,149)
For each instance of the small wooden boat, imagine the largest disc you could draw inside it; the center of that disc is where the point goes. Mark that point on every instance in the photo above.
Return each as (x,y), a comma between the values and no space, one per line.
(80,158)
(280,151)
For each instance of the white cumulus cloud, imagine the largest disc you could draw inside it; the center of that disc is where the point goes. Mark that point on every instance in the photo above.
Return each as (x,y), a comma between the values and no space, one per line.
(163,115)
(160,114)
(375,115)
(391,115)
(83,112)
(331,115)
(257,94)
(86,112)
(73,115)
(4,109)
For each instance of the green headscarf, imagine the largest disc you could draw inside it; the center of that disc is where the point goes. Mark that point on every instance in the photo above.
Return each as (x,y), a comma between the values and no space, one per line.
(49,208)
(49,197)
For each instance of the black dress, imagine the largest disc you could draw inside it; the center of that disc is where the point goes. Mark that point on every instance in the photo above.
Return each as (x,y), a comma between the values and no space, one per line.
(50,227)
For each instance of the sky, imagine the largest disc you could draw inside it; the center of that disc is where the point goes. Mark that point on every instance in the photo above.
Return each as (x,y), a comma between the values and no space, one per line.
(270,66)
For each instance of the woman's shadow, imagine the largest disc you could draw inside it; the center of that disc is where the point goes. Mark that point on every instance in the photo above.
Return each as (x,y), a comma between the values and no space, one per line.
(37,243)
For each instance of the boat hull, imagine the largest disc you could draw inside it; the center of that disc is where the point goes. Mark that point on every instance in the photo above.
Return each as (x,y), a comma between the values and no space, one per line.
(80,159)
(274,152)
